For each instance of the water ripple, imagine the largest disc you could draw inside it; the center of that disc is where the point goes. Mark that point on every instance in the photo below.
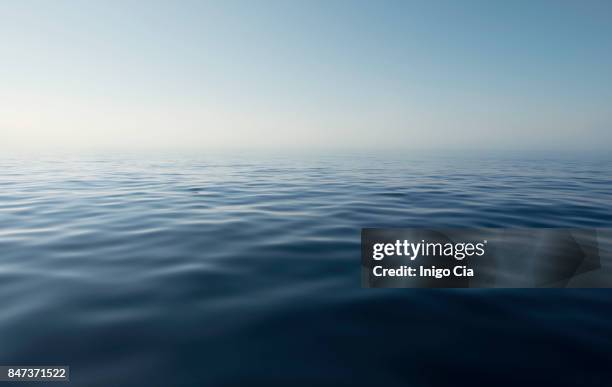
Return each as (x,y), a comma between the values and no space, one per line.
(196,271)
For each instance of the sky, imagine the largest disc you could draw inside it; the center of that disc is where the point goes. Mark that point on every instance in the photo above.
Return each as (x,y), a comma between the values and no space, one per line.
(306,74)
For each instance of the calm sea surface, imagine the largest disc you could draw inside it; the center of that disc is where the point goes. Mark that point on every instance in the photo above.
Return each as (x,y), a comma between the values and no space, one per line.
(243,270)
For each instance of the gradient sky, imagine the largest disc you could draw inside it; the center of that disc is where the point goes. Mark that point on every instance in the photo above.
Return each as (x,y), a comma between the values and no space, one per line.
(277,74)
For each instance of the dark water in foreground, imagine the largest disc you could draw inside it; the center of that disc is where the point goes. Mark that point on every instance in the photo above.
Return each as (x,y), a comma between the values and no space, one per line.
(233,271)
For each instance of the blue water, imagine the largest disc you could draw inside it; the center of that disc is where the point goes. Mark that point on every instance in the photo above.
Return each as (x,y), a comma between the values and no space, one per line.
(240,270)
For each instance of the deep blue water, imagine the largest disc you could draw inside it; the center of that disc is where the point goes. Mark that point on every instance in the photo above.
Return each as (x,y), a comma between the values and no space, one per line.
(243,270)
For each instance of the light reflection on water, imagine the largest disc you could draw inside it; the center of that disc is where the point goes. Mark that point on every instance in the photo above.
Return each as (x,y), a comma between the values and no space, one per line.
(236,271)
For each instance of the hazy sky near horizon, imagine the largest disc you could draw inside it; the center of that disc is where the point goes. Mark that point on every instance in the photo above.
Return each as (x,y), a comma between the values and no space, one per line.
(306,74)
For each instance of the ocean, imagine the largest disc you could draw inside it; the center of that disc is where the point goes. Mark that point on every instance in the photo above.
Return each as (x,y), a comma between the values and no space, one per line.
(242,269)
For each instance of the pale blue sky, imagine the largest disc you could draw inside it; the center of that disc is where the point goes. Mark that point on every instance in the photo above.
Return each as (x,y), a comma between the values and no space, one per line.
(268,74)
